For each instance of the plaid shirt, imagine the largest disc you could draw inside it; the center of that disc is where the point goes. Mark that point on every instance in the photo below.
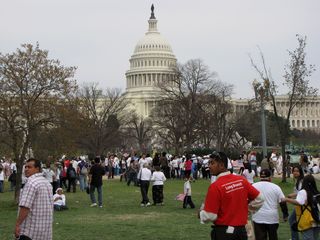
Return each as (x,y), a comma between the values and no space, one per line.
(37,196)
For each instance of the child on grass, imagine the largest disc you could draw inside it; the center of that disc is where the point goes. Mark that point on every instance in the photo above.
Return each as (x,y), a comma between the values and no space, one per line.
(187,191)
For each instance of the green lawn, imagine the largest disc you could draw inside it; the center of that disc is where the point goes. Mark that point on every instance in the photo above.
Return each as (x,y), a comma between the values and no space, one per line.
(122,217)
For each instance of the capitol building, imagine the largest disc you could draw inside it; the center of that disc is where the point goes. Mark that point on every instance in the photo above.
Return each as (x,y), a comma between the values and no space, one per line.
(153,62)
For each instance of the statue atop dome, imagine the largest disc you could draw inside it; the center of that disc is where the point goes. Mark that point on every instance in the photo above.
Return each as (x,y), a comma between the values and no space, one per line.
(152,12)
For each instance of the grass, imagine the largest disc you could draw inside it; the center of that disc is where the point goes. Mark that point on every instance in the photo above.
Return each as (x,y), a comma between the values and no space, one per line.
(122,217)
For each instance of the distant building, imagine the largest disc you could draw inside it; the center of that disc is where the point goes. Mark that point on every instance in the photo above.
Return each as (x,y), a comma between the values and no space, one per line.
(305,116)
(151,63)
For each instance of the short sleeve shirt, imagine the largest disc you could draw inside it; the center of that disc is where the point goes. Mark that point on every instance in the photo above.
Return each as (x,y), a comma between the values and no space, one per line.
(37,196)
(272,194)
(228,197)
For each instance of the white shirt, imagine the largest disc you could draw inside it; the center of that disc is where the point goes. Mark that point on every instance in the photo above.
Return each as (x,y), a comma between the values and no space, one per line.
(272,195)
(302,197)
(187,188)
(158,178)
(60,202)
(48,174)
(144,174)
(249,176)
(2,175)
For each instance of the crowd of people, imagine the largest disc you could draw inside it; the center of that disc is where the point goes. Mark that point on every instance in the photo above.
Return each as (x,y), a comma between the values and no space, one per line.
(234,182)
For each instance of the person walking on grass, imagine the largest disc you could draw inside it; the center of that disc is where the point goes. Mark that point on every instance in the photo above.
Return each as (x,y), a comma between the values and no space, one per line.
(158,179)
(95,181)
(35,205)
(187,192)
(144,176)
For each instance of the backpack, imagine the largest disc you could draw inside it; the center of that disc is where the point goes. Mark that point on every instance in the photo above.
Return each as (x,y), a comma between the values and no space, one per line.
(72,173)
(84,170)
(315,207)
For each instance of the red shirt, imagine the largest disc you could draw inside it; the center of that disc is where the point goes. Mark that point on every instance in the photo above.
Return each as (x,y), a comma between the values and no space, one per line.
(228,198)
(188,165)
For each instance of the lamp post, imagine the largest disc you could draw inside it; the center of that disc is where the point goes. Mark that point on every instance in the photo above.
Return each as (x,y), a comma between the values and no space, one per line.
(261,94)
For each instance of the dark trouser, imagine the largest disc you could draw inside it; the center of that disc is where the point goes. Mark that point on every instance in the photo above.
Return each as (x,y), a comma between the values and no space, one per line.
(144,186)
(59,208)
(72,182)
(132,176)
(220,233)
(264,231)
(187,173)
(187,201)
(63,182)
(157,193)
(23,237)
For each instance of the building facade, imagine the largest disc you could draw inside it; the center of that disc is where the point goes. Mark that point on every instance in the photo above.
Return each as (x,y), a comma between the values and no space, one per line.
(305,116)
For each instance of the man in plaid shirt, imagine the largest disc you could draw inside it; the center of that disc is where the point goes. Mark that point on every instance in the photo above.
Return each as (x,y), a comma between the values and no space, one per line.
(35,205)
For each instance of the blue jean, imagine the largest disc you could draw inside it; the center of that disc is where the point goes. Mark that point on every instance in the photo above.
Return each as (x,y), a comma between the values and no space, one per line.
(93,197)
(292,219)
(83,182)
(311,234)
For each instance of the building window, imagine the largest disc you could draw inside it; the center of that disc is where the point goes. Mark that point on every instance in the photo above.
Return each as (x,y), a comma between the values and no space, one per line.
(298,123)
(293,123)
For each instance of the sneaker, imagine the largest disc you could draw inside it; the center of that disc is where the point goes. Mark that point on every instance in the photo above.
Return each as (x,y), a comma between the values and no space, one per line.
(93,205)
(100,206)
(142,205)
(148,204)
(162,204)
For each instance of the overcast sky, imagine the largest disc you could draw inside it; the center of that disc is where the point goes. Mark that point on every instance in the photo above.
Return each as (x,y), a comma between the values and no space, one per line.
(99,36)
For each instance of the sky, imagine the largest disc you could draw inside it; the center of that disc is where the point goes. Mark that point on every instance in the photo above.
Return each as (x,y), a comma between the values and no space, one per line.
(99,36)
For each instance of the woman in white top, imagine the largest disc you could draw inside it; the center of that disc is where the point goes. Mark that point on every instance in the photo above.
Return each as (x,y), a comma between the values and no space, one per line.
(298,175)
(303,200)
(248,173)
(158,180)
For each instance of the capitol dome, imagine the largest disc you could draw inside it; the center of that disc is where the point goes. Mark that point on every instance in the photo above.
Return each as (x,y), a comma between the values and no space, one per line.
(151,63)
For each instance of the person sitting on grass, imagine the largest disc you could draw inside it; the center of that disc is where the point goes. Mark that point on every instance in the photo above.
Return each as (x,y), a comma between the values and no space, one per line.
(187,192)
(59,200)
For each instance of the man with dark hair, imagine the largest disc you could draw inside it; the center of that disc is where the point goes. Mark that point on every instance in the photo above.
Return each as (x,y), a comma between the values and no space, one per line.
(266,220)
(226,203)
(35,206)
(95,180)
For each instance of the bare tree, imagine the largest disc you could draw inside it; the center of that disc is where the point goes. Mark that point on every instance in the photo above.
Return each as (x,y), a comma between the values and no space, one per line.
(296,77)
(102,113)
(217,123)
(139,129)
(180,105)
(32,86)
